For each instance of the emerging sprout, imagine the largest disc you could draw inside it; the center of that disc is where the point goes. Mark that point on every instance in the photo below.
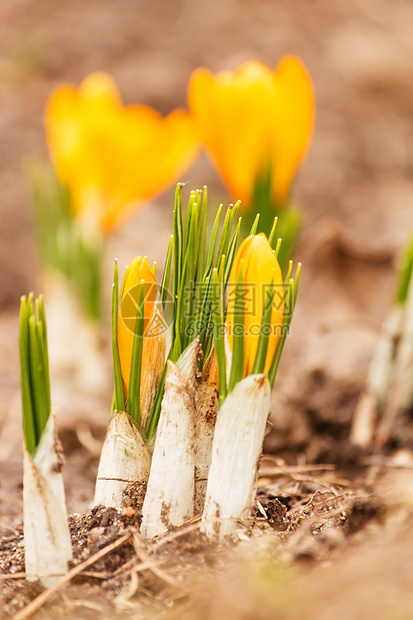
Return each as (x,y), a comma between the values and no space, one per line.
(46,533)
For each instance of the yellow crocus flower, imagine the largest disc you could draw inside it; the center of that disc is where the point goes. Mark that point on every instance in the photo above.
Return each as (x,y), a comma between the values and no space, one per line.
(139,274)
(257,266)
(113,158)
(253,121)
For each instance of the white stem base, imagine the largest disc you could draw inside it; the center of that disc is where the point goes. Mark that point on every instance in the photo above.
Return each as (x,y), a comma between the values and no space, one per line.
(46,532)
(207,403)
(125,458)
(169,498)
(236,450)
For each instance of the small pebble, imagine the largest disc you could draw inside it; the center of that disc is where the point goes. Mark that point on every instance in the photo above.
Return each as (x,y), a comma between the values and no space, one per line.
(96,533)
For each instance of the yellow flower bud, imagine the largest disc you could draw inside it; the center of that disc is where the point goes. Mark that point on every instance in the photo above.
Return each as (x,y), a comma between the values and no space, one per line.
(113,158)
(257,266)
(139,274)
(253,121)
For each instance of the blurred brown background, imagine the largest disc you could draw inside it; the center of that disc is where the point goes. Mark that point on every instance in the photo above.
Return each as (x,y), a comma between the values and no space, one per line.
(356,192)
(356,189)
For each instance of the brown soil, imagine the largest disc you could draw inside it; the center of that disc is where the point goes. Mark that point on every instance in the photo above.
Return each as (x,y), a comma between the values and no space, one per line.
(306,523)
(333,542)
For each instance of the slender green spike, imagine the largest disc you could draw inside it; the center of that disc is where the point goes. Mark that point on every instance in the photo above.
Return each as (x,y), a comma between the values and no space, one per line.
(219,335)
(134,407)
(44,344)
(191,213)
(238,337)
(192,283)
(156,408)
(43,379)
(185,297)
(167,272)
(236,207)
(261,354)
(207,335)
(41,369)
(207,315)
(177,252)
(203,221)
(29,429)
(192,247)
(290,271)
(213,242)
(191,202)
(30,308)
(187,293)
(221,273)
(296,282)
(221,267)
(209,340)
(34,366)
(271,238)
(254,226)
(227,229)
(278,246)
(119,395)
(203,317)
(231,252)
(154,268)
(181,300)
(178,240)
(35,373)
(201,288)
(290,292)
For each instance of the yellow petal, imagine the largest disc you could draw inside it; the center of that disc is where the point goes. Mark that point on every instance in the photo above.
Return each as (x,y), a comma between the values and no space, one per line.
(260,267)
(153,152)
(63,129)
(153,362)
(253,118)
(293,115)
(100,95)
(69,110)
(137,274)
(112,158)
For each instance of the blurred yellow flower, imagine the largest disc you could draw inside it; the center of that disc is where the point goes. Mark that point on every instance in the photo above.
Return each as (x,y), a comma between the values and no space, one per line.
(254,121)
(139,274)
(257,266)
(113,158)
